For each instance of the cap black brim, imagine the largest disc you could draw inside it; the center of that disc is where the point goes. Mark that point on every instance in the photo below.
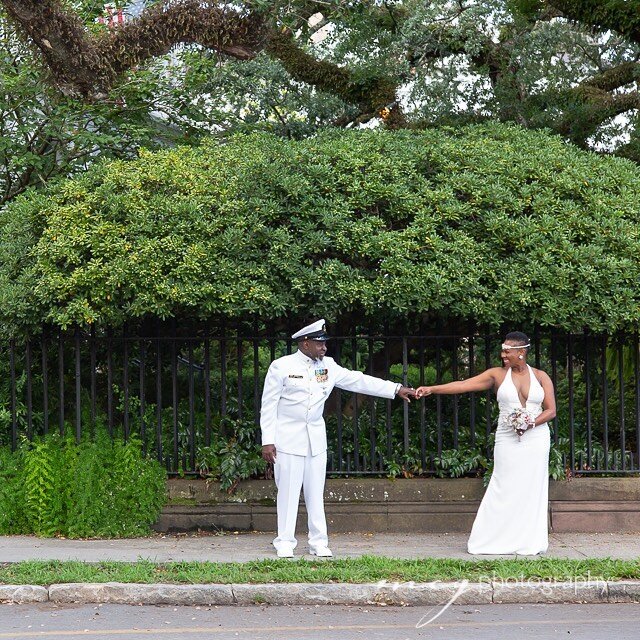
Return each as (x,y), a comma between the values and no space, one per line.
(320,336)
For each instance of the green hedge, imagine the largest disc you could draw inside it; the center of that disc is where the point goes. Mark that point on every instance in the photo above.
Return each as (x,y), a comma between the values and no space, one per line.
(491,223)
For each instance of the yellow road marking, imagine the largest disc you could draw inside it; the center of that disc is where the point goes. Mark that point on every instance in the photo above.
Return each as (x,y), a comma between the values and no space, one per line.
(337,627)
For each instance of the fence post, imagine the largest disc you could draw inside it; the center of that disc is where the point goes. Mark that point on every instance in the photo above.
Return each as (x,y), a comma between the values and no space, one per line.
(45,380)
(14,417)
(29,388)
(76,340)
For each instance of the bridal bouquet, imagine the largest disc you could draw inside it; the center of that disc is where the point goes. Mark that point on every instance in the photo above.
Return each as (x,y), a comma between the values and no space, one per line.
(520,420)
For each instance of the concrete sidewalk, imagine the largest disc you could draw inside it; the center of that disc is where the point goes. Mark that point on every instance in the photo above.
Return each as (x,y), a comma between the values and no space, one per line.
(252,546)
(242,547)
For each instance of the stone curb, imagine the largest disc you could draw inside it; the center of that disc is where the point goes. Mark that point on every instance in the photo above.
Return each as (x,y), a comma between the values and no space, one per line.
(131,593)
(23,593)
(384,593)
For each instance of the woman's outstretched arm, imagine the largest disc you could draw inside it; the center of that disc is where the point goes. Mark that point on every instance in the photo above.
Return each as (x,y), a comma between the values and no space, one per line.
(481,382)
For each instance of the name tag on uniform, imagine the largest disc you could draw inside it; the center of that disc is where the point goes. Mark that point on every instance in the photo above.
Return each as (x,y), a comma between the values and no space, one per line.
(322,375)
(292,376)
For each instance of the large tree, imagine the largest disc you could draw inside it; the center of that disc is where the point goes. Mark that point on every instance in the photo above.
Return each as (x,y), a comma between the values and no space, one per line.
(568,66)
(44,134)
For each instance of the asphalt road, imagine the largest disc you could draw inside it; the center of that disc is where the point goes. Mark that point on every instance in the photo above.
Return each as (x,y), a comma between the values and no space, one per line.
(459,622)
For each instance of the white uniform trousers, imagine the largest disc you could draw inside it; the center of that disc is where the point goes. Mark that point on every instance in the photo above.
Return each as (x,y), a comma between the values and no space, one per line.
(292,472)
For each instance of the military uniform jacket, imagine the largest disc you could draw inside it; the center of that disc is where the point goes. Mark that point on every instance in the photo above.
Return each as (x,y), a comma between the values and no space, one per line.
(295,390)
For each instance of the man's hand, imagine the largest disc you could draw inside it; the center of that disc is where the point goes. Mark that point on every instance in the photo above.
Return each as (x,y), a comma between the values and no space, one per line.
(269,452)
(406,393)
(423,391)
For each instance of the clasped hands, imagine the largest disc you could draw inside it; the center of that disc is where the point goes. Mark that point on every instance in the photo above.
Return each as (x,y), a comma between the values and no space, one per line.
(409,393)
(406,393)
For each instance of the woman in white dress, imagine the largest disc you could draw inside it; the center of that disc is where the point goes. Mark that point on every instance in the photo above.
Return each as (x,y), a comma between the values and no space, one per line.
(512,517)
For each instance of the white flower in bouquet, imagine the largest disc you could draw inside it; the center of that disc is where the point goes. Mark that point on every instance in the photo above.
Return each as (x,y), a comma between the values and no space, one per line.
(520,420)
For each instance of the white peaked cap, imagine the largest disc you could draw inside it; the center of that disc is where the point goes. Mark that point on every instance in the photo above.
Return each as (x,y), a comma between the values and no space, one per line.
(314,331)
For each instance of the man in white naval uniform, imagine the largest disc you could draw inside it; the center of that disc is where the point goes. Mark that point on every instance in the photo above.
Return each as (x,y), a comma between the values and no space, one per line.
(294,436)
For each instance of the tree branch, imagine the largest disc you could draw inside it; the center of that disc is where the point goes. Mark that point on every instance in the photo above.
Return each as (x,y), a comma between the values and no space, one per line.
(88,66)
(622,16)
(372,95)
(594,107)
(162,26)
(614,78)
(61,37)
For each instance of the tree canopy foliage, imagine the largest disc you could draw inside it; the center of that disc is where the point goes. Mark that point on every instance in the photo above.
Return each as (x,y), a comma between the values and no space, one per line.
(568,65)
(45,134)
(488,222)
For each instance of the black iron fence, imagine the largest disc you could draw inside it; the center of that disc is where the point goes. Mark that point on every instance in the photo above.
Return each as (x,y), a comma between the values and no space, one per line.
(190,397)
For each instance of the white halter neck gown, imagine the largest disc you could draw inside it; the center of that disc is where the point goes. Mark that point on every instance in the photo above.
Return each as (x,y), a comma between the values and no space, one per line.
(512,517)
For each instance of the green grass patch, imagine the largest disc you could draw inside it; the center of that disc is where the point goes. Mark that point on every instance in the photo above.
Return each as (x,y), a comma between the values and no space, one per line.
(355,570)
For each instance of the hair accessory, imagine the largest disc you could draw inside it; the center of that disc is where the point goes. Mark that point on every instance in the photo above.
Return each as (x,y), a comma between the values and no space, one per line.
(507,347)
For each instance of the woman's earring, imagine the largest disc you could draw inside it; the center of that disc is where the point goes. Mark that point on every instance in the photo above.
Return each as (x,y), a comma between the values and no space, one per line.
(521,357)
